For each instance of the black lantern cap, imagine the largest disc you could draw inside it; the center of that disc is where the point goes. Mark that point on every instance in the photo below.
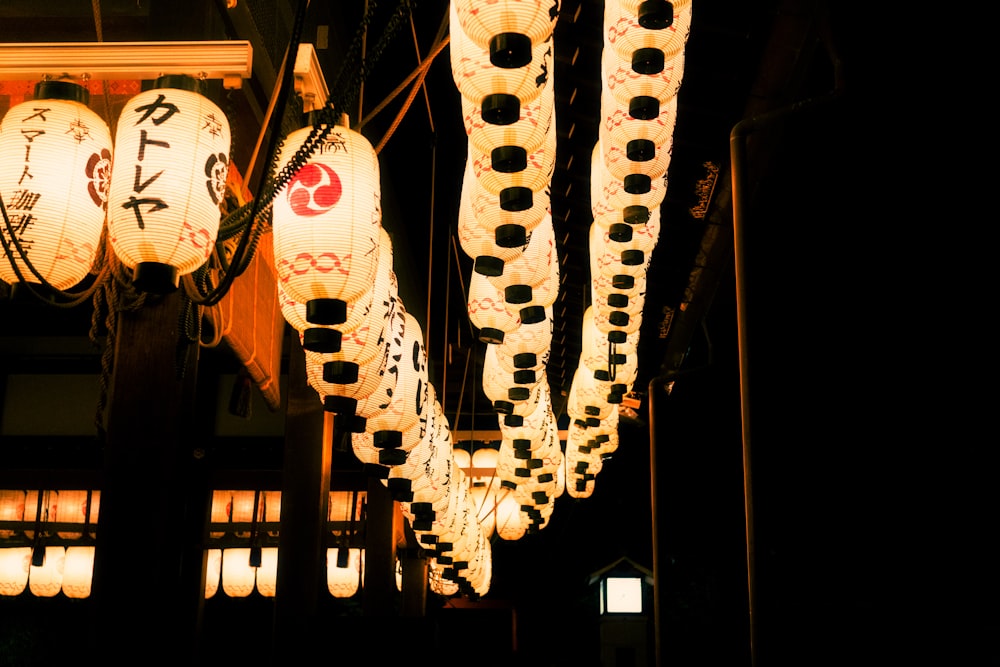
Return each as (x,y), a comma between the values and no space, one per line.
(517,198)
(321,339)
(637,184)
(501,109)
(635,215)
(62,90)
(510,235)
(647,61)
(656,14)
(340,372)
(510,49)
(640,150)
(517,293)
(532,314)
(491,335)
(509,159)
(326,311)
(487,265)
(620,232)
(644,107)
(155,277)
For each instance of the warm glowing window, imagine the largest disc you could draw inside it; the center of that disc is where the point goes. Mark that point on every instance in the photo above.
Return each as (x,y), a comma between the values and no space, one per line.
(623,595)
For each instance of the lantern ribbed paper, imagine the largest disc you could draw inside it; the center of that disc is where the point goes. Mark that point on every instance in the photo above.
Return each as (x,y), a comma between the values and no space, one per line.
(507,28)
(624,33)
(55,167)
(327,222)
(167,183)
(499,91)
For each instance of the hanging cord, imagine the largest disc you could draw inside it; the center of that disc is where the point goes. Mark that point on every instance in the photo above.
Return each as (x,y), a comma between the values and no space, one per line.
(409,79)
(95,6)
(344,92)
(115,295)
(422,74)
(11,238)
(243,252)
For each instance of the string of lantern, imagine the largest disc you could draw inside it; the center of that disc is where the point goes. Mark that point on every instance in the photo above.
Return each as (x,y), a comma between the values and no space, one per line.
(642,66)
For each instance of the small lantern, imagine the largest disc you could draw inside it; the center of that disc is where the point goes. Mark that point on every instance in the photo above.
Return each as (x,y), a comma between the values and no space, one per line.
(630,25)
(11,508)
(508,28)
(238,576)
(55,166)
(78,572)
(499,91)
(213,571)
(343,582)
(14,566)
(168,182)
(327,222)
(46,580)
(267,573)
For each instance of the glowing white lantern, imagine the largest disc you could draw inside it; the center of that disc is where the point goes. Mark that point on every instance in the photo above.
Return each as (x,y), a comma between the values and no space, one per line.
(14,565)
(409,401)
(238,576)
(168,182)
(533,172)
(527,133)
(532,267)
(326,223)
(630,198)
(619,127)
(509,524)
(487,310)
(499,91)
(213,571)
(630,25)
(11,508)
(267,573)
(73,508)
(55,164)
(78,572)
(479,241)
(343,582)
(46,580)
(511,214)
(646,76)
(508,28)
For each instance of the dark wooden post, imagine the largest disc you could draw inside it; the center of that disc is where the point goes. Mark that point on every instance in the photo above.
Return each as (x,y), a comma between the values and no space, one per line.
(305,495)
(149,580)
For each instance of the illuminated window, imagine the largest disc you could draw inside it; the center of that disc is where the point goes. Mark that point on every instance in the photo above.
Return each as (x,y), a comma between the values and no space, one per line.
(623,595)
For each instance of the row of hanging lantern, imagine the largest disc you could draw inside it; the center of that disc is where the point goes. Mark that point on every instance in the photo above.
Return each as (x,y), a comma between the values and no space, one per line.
(159,185)
(364,351)
(642,66)
(46,541)
(501,59)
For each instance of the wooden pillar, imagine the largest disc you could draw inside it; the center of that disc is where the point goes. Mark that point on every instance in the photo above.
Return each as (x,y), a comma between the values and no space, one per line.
(305,494)
(381,525)
(415,570)
(148,583)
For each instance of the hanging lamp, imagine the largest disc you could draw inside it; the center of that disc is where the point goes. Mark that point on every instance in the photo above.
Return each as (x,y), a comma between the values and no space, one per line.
(168,182)
(55,166)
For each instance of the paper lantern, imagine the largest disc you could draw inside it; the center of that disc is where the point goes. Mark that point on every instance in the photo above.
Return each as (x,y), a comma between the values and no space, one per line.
(327,222)
(644,80)
(55,165)
(73,508)
(46,580)
(267,573)
(487,310)
(524,135)
(534,173)
(480,242)
(629,198)
(647,160)
(619,127)
(11,508)
(213,571)
(511,214)
(238,577)
(409,401)
(78,572)
(168,182)
(343,582)
(15,563)
(509,524)
(46,511)
(508,28)
(530,268)
(499,91)
(630,25)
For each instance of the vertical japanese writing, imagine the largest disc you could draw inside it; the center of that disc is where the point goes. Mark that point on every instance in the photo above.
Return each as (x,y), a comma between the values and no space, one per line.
(157,112)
